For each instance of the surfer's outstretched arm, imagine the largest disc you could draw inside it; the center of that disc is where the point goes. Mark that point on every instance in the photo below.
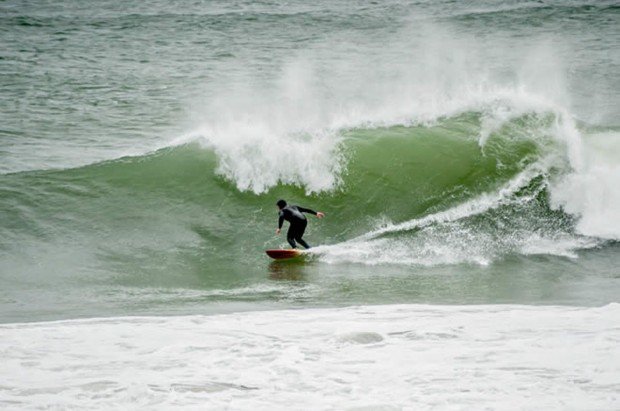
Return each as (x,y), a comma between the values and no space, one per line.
(306,210)
(309,211)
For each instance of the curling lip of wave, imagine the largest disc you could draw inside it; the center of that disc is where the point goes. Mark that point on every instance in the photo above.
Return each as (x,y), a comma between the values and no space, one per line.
(478,205)
(283,145)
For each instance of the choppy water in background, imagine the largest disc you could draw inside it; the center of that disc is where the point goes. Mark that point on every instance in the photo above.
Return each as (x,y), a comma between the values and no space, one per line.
(464,153)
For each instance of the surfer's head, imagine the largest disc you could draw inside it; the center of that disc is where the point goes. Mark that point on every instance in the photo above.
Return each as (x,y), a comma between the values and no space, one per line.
(281,204)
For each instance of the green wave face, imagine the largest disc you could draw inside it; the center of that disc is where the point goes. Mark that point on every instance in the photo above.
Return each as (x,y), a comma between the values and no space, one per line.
(171,212)
(404,172)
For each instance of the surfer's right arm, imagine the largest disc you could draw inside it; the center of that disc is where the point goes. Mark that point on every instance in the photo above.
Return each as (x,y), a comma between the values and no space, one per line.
(280,222)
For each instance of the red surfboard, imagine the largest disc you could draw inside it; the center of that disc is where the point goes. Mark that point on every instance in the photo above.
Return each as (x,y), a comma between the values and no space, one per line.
(284,254)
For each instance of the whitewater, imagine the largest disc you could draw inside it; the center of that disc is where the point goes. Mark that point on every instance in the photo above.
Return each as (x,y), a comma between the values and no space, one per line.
(466,155)
(379,358)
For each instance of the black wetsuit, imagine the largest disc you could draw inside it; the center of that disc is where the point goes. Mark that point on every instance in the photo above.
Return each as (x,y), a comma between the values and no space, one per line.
(294,215)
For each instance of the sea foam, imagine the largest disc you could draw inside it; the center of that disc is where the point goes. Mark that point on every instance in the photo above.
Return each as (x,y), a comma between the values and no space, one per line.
(367,357)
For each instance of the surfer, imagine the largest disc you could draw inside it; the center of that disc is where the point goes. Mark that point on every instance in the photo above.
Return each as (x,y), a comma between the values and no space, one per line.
(297,220)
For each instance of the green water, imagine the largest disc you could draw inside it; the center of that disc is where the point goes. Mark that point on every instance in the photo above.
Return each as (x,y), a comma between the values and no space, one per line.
(143,147)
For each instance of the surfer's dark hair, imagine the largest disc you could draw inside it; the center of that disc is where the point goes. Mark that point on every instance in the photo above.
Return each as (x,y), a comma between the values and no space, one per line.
(281,204)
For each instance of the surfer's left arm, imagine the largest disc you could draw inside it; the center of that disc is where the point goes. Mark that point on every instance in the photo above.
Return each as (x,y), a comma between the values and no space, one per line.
(307,210)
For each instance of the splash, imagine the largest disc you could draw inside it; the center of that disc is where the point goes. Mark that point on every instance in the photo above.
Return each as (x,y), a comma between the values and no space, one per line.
(590,191)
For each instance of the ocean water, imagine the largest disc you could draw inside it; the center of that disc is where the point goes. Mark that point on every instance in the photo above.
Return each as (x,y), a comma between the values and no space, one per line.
(466,155)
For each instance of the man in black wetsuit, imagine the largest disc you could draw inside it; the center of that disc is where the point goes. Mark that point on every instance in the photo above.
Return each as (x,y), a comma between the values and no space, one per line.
(297,220)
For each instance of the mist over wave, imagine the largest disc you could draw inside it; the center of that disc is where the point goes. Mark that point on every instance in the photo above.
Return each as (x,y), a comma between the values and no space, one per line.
(288,128)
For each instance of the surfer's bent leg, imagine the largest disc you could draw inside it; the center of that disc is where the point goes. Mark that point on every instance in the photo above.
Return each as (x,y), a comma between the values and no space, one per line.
(299,233)
(302,242)
(290,236)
